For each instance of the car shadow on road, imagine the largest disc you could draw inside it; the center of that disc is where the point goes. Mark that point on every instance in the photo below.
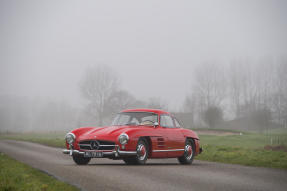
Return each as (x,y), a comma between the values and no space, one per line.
(122,164)
(147,164)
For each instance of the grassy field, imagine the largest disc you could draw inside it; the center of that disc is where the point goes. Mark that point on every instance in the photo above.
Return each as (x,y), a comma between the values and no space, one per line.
(246,149)
(16,176)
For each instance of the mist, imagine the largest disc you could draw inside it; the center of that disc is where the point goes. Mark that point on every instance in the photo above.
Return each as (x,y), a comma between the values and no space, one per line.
(164,54)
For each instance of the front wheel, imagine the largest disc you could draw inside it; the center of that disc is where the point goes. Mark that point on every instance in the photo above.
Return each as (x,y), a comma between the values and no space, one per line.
(189,150)
(142,154)
(80,160)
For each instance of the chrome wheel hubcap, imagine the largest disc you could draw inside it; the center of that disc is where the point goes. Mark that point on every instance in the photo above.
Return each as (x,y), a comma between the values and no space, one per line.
(188,152)
(141,151)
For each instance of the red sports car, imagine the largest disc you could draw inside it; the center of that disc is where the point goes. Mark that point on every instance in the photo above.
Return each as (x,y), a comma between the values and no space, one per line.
(134,136)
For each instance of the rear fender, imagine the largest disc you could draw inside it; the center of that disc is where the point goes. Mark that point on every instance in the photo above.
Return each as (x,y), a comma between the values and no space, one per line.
(189,134)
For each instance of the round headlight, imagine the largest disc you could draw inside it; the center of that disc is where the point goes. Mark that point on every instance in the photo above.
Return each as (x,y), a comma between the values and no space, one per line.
(70,138)
(123,139)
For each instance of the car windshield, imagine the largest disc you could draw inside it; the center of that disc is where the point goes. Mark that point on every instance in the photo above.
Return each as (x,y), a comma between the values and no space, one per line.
(135,118)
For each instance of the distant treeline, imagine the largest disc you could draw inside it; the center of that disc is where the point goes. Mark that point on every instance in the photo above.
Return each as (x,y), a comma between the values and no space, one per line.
(242,95)
(248,91)
(19,114)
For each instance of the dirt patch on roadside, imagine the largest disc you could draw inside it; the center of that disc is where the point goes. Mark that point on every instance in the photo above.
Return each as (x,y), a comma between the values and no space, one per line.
(276,148)
(218,133)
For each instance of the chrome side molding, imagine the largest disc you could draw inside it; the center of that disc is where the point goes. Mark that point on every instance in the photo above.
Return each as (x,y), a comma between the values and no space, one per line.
(169,150)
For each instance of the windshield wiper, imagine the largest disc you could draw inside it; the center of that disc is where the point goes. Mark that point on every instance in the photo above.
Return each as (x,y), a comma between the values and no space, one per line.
(130,124)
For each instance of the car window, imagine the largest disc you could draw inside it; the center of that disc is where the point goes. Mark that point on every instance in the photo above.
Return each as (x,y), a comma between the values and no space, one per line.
(166,121)
(135,118)
(177,125)
(134,121)
(124,119)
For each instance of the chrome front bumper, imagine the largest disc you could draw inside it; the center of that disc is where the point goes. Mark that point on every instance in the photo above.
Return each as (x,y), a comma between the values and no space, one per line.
(115,153)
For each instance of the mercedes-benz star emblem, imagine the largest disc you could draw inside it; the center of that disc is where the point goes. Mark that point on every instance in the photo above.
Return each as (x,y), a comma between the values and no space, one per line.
(95,145)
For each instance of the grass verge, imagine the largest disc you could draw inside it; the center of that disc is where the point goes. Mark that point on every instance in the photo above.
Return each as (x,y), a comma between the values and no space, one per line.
(49,139)
(246,149)
(18,176)
(244,156)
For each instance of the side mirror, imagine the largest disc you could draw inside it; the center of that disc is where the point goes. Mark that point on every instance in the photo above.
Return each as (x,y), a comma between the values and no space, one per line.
(155,124)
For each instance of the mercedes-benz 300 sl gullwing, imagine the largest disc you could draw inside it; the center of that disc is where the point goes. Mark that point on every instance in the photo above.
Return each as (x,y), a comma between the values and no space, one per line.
(134,136)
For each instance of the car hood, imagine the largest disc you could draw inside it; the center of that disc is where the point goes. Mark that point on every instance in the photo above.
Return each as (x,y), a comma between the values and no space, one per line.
(109,133)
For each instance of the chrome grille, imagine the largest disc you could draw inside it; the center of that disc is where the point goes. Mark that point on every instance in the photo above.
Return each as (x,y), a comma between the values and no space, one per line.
(96,145)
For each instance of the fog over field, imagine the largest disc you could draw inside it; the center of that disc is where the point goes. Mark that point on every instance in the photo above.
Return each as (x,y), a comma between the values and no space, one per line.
(217,63)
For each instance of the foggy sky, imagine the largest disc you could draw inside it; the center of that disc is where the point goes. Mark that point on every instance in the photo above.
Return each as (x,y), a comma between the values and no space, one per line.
(45,46)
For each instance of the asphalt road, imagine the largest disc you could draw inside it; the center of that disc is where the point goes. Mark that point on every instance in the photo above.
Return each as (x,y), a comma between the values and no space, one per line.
(157,174)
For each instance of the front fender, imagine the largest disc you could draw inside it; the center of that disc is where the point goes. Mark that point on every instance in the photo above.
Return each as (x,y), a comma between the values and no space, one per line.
(136,134)
(77,132)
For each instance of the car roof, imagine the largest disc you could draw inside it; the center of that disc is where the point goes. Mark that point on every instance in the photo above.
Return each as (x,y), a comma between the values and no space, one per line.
(157,111)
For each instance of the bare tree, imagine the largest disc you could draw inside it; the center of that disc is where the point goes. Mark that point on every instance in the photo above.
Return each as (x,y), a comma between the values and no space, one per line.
(279,98)
(190,106)
(236,85)
(119,100)
(208,89)
(210,84)
(98,85)
(213,116)
(250,85)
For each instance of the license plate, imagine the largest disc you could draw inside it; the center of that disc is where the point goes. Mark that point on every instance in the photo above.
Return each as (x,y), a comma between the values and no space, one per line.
(93,154)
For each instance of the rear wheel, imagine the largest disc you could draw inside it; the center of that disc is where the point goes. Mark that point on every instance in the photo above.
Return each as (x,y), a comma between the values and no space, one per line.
(189,150)
(142,154)
(80,160)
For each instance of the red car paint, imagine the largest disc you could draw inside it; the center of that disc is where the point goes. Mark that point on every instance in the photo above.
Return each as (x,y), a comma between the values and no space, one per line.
(160,138)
